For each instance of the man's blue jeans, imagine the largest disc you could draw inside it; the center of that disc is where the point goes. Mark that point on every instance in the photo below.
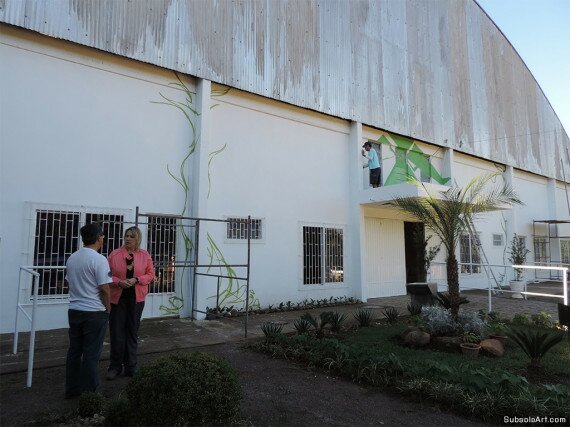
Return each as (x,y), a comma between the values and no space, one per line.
(86,334)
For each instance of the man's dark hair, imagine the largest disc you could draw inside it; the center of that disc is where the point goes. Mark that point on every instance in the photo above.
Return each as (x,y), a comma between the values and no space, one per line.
(90,233)
(367,144)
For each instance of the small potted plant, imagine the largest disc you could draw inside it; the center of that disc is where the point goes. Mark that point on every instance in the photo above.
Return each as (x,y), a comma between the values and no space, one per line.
(470,344)
(517,256)
(498,331)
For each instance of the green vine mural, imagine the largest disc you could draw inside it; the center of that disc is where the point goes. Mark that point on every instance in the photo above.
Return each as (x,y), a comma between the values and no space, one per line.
(234,293)
(408,158)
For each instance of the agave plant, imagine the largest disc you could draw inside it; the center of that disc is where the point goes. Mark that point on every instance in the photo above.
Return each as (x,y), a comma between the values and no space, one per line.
(319,323)
(415,309)
(391,314)
(445,301)
(302,326)
(363,317)
(535,343)
(336,320)
(271,329)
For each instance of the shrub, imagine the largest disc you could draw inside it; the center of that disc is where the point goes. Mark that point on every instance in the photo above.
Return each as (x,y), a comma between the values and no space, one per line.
(185,388)
(535,343)
(521,319)
(415,309)
(391,314)
(90,404)
(542,320)
(363,317)
(438,321)
(118,413)
(471,322)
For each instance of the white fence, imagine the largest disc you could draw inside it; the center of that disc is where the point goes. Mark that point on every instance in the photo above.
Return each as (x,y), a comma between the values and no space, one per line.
(496,277)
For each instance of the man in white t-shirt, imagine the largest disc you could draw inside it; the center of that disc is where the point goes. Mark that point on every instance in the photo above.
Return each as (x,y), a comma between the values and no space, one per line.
(88,275)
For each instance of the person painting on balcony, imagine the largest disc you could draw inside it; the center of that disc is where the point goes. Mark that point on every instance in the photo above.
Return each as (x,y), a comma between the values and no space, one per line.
(132,269)
(373,164)
(88,275)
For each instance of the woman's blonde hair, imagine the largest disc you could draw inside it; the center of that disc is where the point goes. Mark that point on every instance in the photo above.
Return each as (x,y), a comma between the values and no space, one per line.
(138,235)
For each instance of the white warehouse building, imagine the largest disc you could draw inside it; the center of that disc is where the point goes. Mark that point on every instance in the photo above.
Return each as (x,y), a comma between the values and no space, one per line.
(274,102)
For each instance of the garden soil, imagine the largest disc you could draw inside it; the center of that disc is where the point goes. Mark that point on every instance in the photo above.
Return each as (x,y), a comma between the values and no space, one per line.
(276,392)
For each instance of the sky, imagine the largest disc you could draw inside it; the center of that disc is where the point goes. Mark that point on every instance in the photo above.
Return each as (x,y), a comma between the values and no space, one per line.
(539,30)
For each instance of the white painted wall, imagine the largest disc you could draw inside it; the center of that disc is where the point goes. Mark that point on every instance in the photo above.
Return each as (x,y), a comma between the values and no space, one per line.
(288,167)
(78,128)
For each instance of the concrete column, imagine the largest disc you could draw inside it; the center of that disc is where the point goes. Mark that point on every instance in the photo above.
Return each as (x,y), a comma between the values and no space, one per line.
(511,214)
(197,203)
(355,228)
(198,168)
(448,160)
(555,254)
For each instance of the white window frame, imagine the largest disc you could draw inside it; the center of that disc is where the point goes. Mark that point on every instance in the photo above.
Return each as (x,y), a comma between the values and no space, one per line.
(253,241)
(499,241)
(33,207)
(323,284)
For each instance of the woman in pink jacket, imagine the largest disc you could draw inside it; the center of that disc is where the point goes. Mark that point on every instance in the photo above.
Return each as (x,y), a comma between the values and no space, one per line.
(132,271)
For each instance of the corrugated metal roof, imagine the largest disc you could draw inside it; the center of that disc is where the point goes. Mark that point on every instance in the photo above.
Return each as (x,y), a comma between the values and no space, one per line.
(438,71)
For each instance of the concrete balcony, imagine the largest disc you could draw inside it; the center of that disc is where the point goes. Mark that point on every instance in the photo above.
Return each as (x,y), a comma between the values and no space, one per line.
(382,195)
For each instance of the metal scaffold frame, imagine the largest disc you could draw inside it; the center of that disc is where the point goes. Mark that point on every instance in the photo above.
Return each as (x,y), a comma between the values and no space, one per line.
(551,238)
(194,261)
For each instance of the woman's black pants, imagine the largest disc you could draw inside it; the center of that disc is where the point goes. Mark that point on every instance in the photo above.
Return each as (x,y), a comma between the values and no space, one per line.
(124,323)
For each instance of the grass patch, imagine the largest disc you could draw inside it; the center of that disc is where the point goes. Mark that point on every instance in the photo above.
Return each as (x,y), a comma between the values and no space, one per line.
(486,388)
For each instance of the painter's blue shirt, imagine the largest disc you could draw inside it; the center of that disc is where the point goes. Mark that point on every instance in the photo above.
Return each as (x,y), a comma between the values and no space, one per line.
(373,162)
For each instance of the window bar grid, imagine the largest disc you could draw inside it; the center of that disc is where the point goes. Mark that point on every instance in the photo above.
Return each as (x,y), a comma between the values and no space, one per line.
(162,244)
(53,243)
(237,229)
(57,237)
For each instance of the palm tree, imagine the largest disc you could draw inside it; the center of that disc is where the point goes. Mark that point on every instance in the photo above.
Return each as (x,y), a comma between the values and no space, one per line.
(449,215)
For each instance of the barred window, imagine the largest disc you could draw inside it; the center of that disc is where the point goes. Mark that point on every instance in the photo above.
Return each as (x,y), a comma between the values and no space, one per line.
(57,236)
(237,229)
(497,240)
(469,254)
(541,252)
(161,244)
(323,255)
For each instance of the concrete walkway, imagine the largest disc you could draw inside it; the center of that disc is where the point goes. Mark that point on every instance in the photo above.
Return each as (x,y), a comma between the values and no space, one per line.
(165,334)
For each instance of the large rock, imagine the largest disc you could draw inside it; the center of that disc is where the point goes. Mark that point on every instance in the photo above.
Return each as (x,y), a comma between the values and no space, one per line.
(408,330)
(417,338)
(446,343)
(494,347)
